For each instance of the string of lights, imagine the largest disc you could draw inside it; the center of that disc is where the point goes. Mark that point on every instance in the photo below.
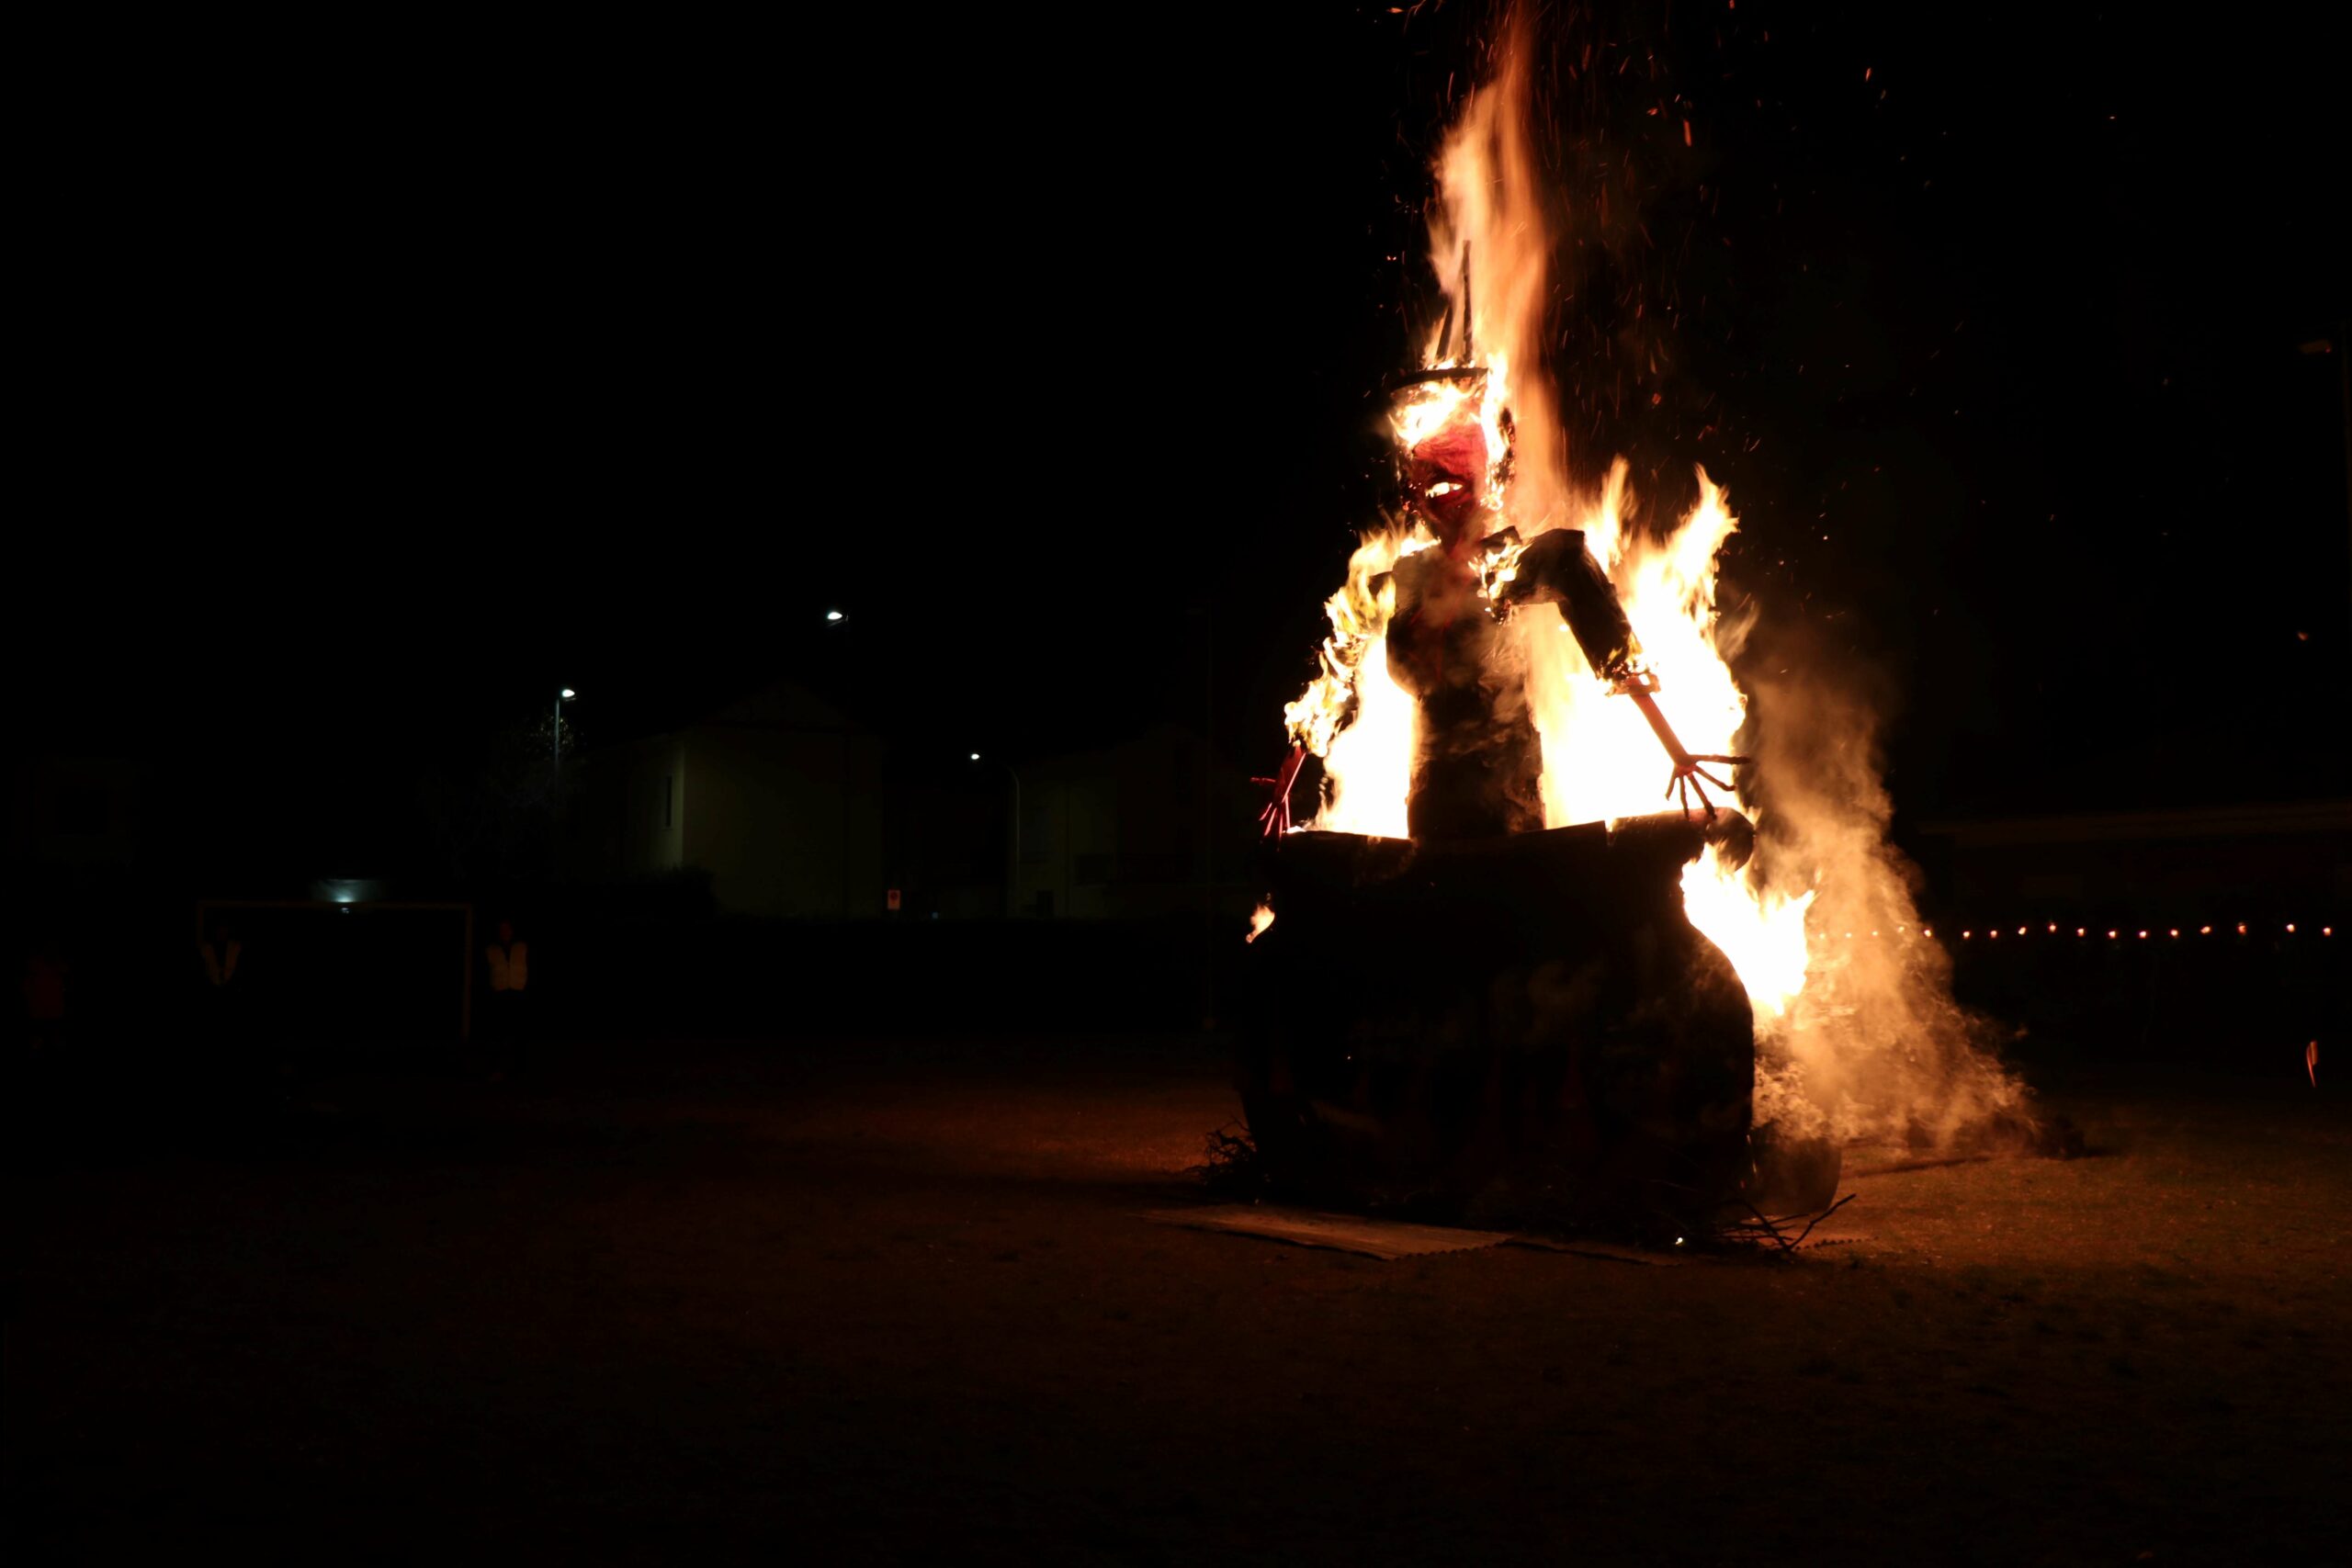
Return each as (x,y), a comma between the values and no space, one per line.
(2115,933)
(1993,933)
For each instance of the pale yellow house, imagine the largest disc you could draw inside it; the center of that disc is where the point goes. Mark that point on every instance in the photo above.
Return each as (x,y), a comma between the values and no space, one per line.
(777,796)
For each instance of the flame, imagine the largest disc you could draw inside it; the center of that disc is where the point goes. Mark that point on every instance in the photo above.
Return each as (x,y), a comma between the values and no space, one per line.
(1763,933)
(1600,761)
(1369,765)
(1491,199)
(1259,919)
(1352,716)
(1865,1038)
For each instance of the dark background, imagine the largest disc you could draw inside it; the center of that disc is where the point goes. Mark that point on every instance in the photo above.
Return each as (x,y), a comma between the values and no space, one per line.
(381,374)
(405,373)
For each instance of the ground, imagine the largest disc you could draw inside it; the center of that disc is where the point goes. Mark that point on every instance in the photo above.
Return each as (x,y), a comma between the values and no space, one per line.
(876,1302)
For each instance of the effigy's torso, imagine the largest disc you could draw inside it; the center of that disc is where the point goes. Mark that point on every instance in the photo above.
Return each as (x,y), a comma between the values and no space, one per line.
(1478,765)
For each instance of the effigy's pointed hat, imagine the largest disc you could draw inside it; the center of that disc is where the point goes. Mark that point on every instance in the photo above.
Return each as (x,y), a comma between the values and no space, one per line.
(1446,365)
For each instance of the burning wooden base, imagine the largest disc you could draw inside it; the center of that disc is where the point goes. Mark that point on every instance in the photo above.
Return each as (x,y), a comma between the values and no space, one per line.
(1526,1030)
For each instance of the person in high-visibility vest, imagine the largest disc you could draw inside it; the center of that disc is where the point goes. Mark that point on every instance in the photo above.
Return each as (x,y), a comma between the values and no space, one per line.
(225,1030)
(510,977)
(220,952)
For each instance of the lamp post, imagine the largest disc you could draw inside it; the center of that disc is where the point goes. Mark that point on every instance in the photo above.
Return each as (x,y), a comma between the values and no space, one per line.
(2340,347)
(555,752)
(1012,872)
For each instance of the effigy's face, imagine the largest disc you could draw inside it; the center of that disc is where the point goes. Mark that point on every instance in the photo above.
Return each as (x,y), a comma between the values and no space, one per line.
(1445,479)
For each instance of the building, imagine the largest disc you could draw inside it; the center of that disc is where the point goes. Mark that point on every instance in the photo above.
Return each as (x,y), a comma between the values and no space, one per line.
(79,815)
(795,810)
(1148,827)
(777,796)
(2205,865)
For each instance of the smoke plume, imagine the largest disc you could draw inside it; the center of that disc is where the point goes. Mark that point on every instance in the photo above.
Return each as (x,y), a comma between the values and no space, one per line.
(1874,1046)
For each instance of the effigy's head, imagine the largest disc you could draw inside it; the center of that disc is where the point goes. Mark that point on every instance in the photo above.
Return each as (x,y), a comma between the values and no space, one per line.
(1446,479)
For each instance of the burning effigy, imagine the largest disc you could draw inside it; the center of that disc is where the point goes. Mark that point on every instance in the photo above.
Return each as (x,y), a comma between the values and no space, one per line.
(1554,927)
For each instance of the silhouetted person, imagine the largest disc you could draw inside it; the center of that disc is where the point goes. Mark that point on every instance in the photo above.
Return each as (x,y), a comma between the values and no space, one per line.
(46,973)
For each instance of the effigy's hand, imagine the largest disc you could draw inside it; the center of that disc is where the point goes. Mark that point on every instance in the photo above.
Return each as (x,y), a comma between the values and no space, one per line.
(1274,818)
(1690,779)
(1691,776)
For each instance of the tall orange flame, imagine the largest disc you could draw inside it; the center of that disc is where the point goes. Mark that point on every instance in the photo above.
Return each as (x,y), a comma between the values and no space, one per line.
(1600,760)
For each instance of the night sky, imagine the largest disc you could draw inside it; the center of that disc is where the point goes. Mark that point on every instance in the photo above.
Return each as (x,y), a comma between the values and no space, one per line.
(402,378)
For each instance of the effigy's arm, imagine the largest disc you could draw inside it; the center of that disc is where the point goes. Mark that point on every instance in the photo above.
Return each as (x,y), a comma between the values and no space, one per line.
(1556,568)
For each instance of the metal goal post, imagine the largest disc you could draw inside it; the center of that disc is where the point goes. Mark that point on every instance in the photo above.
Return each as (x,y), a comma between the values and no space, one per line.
(371,963)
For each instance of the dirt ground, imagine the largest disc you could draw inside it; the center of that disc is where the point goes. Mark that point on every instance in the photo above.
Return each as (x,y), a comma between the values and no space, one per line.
(888,1301)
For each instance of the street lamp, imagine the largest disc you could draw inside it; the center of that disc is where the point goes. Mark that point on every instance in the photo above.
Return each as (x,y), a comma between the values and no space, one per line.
(555,757)
(2340,346)
(832,617)
(1013,874)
